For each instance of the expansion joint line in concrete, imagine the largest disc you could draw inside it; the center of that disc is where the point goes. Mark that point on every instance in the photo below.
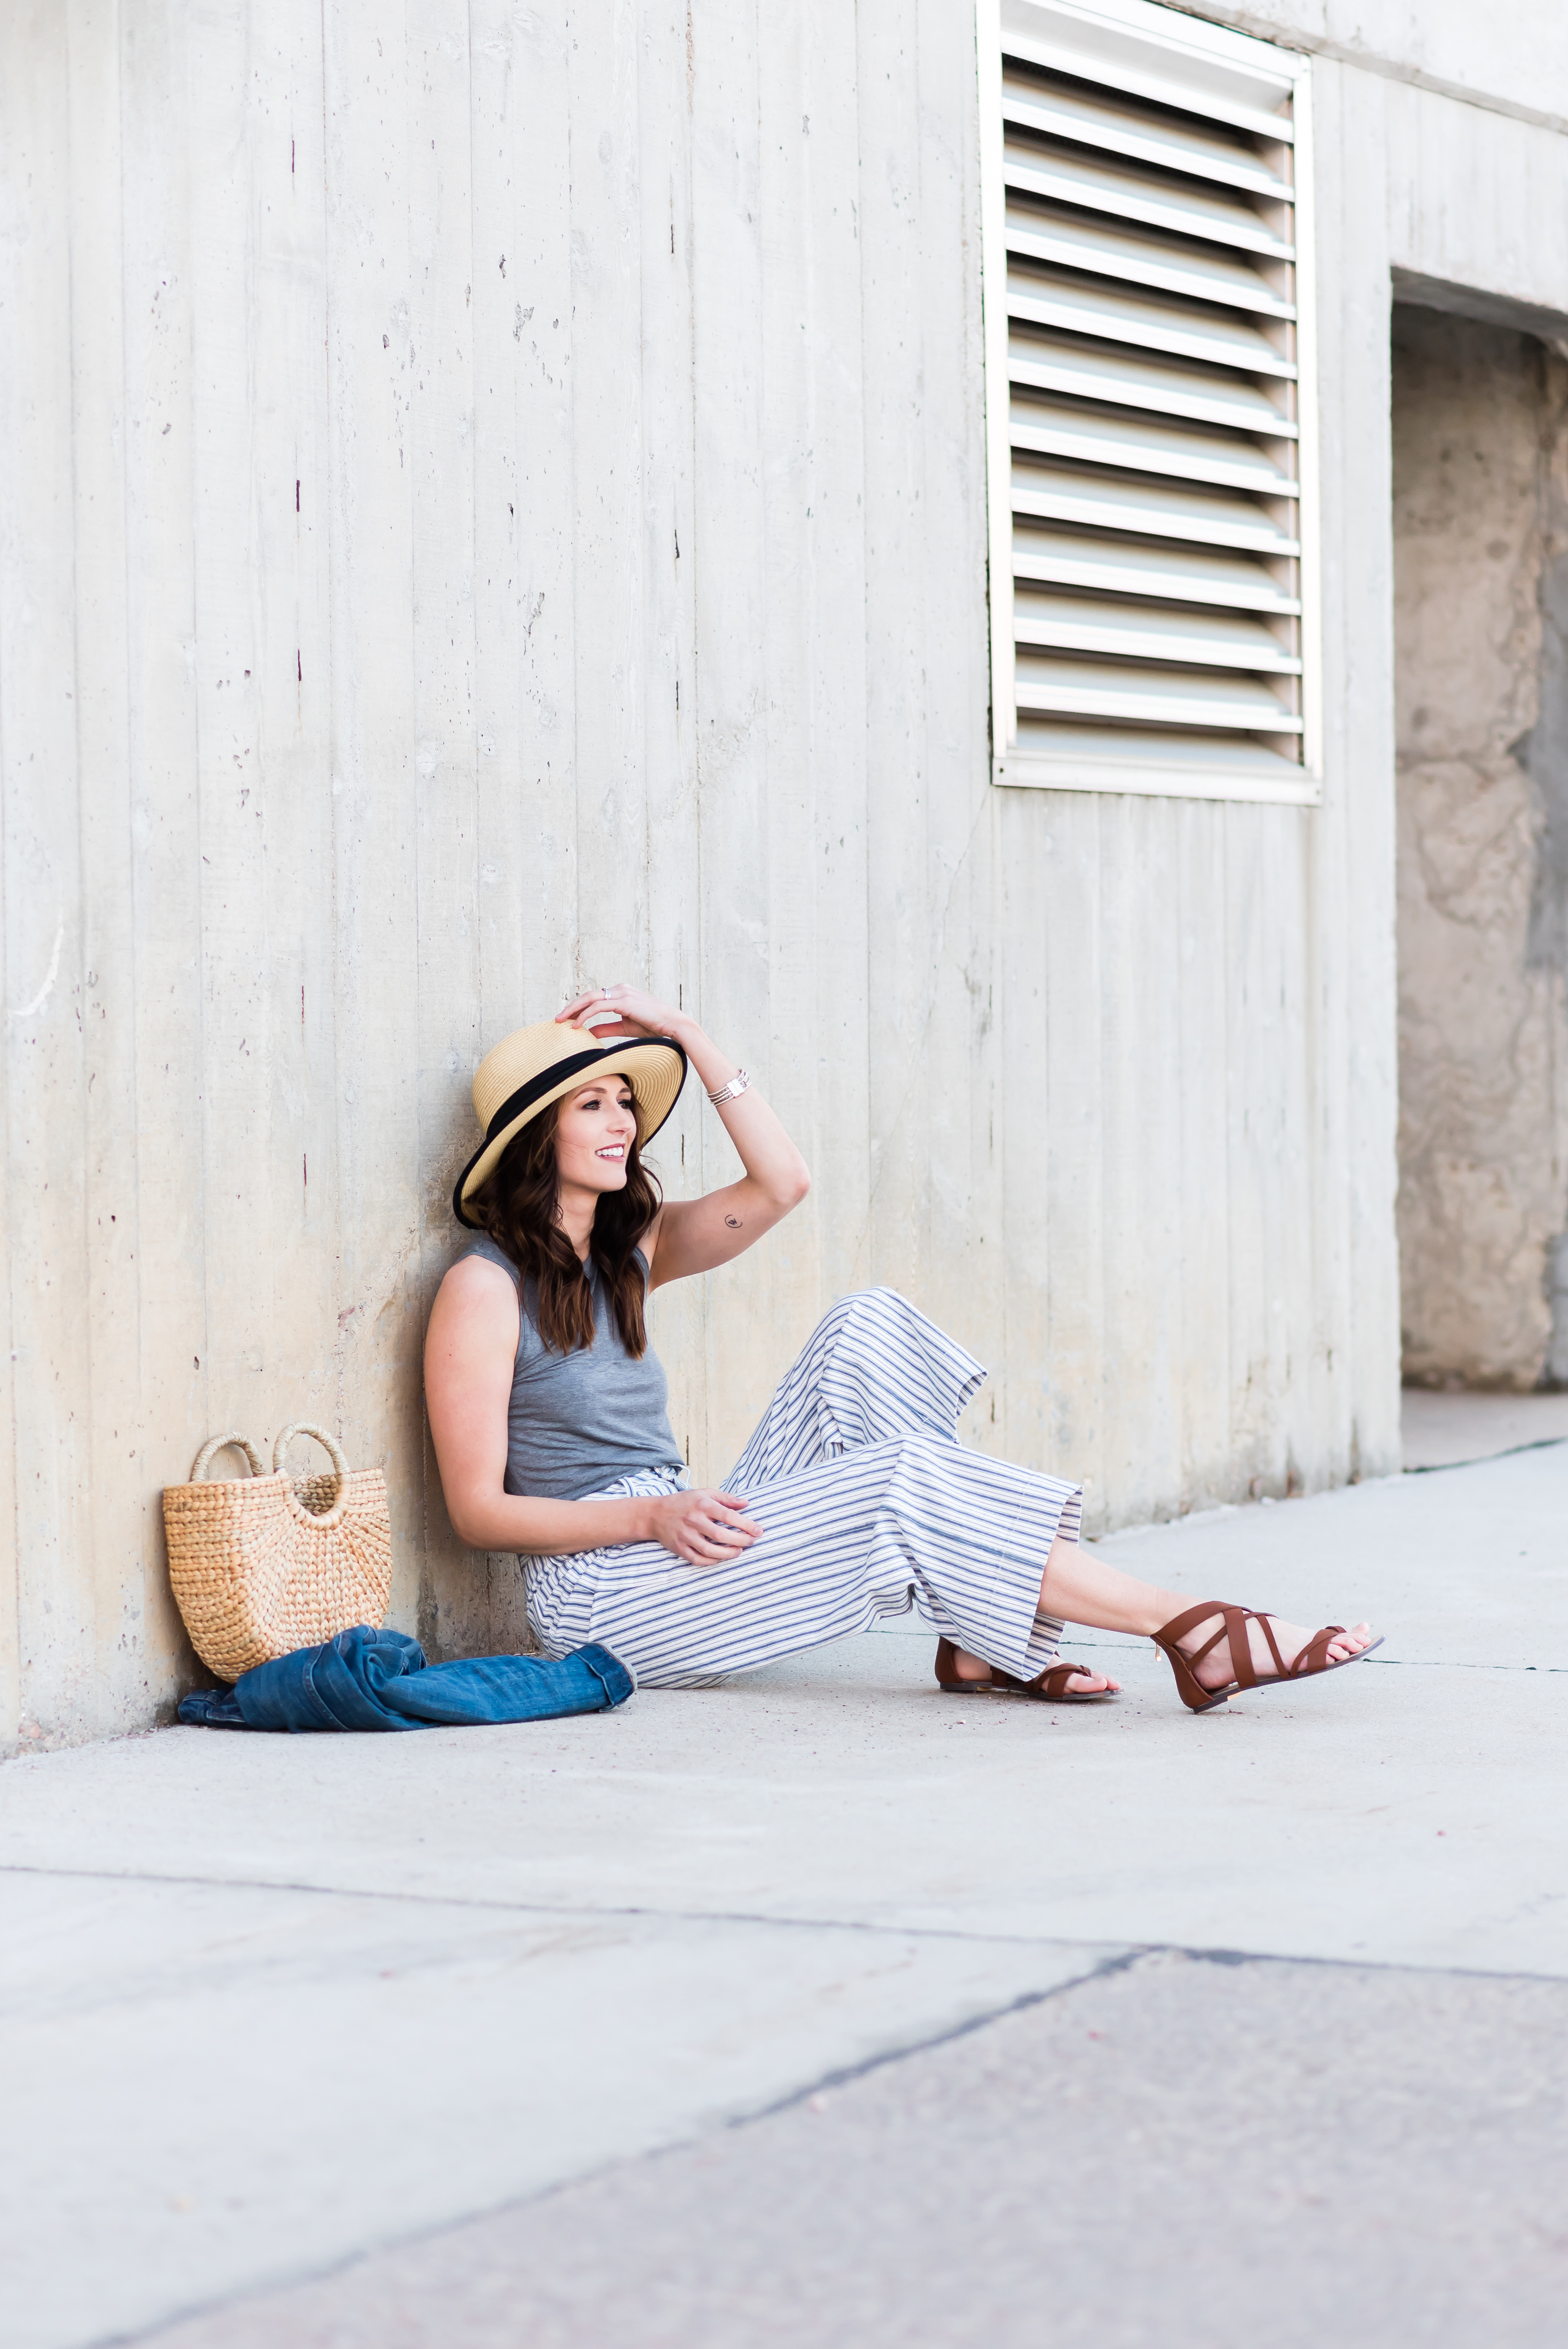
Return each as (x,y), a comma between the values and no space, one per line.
(1369,1663)
(873,1928)
(1455,1664)
(628,1913)
(1485,1459)
(1120,1962)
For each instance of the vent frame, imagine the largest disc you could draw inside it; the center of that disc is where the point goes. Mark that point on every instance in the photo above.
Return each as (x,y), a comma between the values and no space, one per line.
(1136,56)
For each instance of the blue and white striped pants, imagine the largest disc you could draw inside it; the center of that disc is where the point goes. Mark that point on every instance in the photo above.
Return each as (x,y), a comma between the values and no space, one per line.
(868,1507)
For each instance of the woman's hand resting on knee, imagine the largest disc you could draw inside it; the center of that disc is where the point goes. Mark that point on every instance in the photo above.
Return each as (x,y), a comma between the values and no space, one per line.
(704,1529)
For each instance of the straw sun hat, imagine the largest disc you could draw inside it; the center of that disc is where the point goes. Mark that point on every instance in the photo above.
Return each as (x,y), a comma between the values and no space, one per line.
(539,1064)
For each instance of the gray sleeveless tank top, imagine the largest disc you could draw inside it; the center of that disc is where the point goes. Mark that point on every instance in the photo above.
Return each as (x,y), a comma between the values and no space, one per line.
(577,1421)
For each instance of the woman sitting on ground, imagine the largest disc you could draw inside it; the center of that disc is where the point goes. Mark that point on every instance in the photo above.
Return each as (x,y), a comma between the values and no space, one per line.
(853,1500)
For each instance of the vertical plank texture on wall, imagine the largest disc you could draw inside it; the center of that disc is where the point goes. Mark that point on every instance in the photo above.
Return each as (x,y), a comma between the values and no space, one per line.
(452,284)
(53,1617)
(522,877)
(122,1594)
(949,1115)
(161,970)
(901,946)
(673,853)
(1354,185)
(732,619)
(282,597)
(528,877)
(1197,1222)
(371,109)
(813,430)
(1054,976)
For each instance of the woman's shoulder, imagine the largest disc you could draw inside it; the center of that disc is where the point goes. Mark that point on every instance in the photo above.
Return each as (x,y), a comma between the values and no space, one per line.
(473,1306)
(482,1249)
(471,1282)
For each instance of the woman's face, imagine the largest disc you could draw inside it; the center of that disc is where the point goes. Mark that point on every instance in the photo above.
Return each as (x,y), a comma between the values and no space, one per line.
(595,1129)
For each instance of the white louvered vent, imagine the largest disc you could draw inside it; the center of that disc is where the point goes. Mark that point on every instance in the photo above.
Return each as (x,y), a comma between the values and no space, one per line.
(1149,446)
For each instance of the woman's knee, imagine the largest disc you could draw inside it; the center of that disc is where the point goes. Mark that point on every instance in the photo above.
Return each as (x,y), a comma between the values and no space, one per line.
(876,1305)
(927,1453)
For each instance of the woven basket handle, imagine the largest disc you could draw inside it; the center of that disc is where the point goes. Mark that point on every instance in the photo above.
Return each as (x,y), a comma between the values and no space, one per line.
(215,1444)
(328,1442)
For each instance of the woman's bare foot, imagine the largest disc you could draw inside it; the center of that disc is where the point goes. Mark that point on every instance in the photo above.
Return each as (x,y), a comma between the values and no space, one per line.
(1218,1670)
(1083,1684)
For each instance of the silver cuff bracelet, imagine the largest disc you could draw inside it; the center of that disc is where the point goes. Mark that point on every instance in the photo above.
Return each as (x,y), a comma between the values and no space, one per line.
(732,1091)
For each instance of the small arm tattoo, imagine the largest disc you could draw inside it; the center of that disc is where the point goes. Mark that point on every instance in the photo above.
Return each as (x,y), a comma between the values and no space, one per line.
(733,1222)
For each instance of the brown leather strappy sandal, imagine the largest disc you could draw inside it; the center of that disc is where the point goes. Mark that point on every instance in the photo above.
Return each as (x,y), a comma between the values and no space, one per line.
(1313,1657)
(1049,1687)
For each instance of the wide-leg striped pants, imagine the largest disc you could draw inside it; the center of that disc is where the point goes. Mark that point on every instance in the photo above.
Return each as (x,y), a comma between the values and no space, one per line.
(868,1507)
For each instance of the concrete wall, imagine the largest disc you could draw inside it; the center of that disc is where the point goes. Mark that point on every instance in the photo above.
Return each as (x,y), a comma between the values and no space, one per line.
(501,503)
(1513,59)
(1480,537)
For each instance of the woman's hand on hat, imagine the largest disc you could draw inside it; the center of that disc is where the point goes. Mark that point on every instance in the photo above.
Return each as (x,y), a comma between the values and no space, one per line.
(620,1010)
(704,1529)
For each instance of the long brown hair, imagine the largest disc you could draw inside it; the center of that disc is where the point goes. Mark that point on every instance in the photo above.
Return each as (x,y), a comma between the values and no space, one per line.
(518,1206)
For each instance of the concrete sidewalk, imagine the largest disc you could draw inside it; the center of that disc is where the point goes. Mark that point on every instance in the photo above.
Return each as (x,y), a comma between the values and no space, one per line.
(274,2003)
(1445,1428)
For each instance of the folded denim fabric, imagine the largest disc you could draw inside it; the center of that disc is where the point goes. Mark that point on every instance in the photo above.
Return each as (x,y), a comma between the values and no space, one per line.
(379,1680)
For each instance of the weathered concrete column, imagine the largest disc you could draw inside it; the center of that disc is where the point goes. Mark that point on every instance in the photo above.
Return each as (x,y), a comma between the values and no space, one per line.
(1480,523)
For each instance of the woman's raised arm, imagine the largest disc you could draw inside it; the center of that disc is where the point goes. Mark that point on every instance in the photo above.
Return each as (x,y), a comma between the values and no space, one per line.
(690,1236)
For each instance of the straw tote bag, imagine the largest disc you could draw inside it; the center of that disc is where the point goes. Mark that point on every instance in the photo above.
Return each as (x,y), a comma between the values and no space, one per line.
(263,1565)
